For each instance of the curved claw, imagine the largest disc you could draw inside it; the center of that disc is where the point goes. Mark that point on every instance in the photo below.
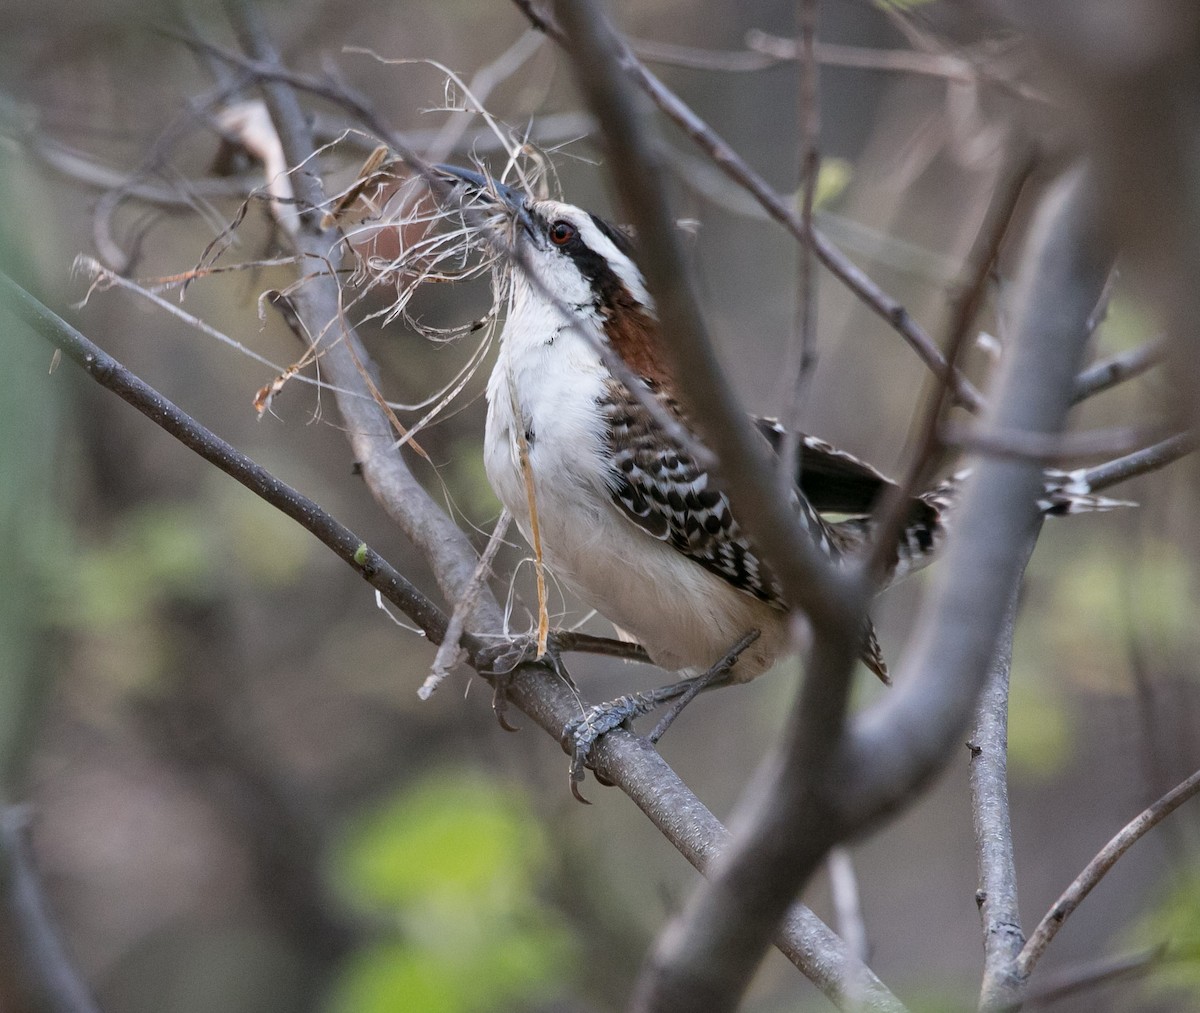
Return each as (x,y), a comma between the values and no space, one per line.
(500,708)
(576,781)
(580,735)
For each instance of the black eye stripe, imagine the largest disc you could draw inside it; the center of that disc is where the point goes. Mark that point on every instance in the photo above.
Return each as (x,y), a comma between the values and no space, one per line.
(605,282)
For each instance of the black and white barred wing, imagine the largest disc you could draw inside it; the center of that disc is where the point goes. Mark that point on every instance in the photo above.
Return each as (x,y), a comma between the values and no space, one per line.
(661,488)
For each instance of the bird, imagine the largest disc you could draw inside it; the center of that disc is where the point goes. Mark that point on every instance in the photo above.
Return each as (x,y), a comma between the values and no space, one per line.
(628,517)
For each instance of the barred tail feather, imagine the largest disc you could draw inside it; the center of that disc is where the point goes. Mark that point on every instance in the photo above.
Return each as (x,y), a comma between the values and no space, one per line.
(1065,492)
(1068,492)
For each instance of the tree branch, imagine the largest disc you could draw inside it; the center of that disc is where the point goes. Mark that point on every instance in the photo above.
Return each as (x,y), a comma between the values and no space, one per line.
(997,896)
(1098,867)
(111,374)
(61,986)
(1097,972)
(1116,369)
(709,953)
(897,745)
(1139,462)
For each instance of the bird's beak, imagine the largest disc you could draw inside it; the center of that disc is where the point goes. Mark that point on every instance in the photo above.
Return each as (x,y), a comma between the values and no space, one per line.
(505,197)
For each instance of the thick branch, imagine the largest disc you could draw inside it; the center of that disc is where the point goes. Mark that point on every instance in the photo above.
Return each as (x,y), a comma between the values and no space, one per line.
(900,743)
(701,838)
(709,954)
(784,824)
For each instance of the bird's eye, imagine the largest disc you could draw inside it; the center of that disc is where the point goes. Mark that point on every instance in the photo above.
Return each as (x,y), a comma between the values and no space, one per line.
(561,233)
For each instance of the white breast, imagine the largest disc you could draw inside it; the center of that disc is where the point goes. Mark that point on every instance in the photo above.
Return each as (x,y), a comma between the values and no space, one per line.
(545,384)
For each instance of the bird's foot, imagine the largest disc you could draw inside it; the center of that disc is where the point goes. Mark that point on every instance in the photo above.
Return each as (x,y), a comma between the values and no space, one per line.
(500,660)
(580,736)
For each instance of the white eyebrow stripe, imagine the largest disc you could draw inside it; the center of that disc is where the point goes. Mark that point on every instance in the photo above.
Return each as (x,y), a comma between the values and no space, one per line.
(622,266)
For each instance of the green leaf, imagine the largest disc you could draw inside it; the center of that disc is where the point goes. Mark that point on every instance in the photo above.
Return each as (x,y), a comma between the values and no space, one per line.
(1174,918)
(452,839)
(454,863)
(832,180)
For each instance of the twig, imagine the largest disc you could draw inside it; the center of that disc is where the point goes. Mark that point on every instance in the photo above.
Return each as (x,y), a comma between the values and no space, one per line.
(810,169)
(803,346)
(62,986)
(734,166)
(892,513)
(109,373)
(1097,972)
(908,61)
(1139,462)
(1116,369)
(570,640)
(847,906)
(481,85)
(449,652)
(1098,867)
(764,50)
(1003,936)
(1043,448)
(925,41)
(267,69)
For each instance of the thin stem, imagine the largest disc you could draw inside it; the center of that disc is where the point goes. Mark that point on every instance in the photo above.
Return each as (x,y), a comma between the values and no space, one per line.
(58,979)
(892,512)
(1139,462)
(1116,369)
(1043,448)
(804,344)
(1098,867)
(810,170)
(450,651)
(1105,971)
(847,906)
(997,896)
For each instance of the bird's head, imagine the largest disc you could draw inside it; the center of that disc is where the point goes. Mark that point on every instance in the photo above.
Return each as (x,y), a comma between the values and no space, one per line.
(570,259)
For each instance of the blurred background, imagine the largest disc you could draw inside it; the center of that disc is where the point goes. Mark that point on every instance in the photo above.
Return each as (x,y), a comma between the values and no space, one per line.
(238,802)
